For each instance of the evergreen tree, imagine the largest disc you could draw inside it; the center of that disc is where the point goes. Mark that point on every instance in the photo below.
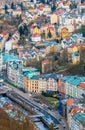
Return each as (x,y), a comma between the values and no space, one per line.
(53,8)
(6,7)
(83,30)
(49,34)
(43,1)
(12,6)
(43,34)
(21,5)
(23,29)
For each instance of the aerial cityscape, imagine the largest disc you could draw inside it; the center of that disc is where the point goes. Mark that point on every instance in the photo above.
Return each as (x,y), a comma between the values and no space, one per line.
(42,64)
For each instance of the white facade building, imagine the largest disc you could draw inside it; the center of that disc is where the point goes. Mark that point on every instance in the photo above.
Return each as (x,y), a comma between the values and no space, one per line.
(36,38)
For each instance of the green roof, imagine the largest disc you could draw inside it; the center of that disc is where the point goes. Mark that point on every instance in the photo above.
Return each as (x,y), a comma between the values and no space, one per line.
(30,75)
(8,57)
(75,80)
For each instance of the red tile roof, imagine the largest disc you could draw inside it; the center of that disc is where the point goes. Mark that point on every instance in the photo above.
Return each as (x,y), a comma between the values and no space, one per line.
(75,110)
(59,12)
(83,4)
(72,46)
(36,35)
(82,84)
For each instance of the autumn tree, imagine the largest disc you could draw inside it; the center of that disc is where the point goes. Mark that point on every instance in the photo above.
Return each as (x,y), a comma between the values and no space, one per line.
(7,123)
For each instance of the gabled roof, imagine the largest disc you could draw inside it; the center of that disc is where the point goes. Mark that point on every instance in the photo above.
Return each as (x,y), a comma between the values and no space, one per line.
(82,84)
(59,12)
(75,110)
(8,57)
(75,80)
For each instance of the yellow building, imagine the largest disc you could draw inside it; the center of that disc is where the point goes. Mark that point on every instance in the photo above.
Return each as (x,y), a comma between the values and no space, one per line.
(64,33)
(31,10)
(69,27)
(73,48)
(34,29)
(76,59)
(31,85)
(35,85)
(74,52)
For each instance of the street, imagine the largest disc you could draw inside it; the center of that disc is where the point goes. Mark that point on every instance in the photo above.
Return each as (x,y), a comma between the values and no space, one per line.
(62,123)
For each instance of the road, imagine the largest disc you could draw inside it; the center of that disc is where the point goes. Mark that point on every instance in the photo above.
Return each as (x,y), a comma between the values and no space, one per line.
(55,114)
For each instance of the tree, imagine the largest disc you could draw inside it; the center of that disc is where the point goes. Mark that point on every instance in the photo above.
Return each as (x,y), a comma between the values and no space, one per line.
(82,30)
(77,69)
(43,1)
(47,2)
(22,40)
(6,8)
(7,123)
(49,34)
(23,29)
(1,28)
(82,54)
(53,8)
(63,60)
(52,126)
(82,1)
(21,5)
(43,34)
(12,6)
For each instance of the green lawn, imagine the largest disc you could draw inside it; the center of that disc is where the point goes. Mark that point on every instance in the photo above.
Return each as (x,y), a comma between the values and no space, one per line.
(51,99)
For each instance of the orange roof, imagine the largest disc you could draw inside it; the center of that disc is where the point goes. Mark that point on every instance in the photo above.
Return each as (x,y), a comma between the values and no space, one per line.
(75,110)
(15,44)
(82,84)
(70,102)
